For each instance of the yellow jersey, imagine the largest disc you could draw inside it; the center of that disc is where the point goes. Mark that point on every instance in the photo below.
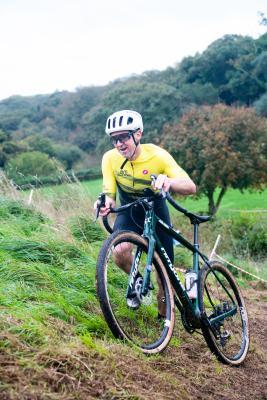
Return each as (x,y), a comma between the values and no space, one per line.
(135,175)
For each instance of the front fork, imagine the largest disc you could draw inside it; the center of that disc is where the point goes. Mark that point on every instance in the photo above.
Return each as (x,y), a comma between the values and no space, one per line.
(149,225)
(149,229)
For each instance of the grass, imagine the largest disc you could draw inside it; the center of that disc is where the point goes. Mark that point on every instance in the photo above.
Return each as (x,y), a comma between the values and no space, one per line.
(53,334)
(43,277)
(235,206)
(233,201)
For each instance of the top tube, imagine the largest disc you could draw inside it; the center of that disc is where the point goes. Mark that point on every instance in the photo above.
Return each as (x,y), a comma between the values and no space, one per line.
(151,196)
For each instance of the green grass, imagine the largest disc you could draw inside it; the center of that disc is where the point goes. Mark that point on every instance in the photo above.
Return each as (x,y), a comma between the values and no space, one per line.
(234,201)
(49,312)
(44,279)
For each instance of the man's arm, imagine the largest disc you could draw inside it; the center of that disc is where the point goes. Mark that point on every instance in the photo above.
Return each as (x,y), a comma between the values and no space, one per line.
(109,185)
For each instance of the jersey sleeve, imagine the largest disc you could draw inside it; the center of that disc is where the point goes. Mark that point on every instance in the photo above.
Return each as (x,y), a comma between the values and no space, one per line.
(171,168)
(109,181)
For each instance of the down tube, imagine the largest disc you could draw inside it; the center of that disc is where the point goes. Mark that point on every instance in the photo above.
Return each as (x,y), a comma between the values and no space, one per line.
(174,278)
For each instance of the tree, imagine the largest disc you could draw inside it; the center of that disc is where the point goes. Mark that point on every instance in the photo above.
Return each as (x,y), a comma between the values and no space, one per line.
(68,154)
(39,143)
(32,163)
(261,105)
(220,147)
(157,102)
(8,148)
(228,65)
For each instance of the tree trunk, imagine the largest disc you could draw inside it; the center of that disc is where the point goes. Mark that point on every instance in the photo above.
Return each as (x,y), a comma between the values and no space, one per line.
(214,206)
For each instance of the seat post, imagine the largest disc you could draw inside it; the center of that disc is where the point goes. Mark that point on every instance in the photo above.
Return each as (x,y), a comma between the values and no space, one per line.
(196,247)
(196,244)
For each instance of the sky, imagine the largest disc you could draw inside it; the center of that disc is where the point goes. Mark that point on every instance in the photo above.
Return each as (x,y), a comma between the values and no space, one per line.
(54,45)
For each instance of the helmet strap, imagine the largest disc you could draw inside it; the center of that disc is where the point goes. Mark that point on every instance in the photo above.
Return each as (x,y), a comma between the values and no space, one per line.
(136,144)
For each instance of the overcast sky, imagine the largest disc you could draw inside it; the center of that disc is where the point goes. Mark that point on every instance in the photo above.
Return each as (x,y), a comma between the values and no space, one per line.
(49,45)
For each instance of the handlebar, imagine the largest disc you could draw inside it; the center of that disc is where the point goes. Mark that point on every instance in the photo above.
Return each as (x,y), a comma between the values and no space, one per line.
(145,200)
(151,196)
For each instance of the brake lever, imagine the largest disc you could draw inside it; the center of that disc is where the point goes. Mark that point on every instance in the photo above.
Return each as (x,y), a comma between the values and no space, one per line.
(101,203)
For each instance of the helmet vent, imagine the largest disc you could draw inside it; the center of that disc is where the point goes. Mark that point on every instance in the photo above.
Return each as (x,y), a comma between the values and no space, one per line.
(114,122)
(129,120)
(109,123)
(120,121)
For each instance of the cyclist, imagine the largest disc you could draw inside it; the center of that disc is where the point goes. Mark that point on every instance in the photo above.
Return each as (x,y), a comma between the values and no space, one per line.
(127,169)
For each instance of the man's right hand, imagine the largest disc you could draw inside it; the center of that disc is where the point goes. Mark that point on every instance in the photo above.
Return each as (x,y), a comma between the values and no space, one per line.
(109,203)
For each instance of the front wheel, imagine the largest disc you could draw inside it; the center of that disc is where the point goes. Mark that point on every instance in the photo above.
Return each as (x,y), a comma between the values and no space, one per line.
(225,321)
(142,325)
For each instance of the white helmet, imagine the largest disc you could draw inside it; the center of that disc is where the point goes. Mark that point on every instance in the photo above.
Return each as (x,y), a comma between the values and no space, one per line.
(125,120)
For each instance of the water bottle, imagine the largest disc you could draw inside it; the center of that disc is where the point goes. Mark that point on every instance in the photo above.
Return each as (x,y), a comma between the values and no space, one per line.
(191,284)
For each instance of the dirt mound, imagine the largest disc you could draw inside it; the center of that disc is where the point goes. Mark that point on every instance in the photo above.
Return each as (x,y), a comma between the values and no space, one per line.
(186,370)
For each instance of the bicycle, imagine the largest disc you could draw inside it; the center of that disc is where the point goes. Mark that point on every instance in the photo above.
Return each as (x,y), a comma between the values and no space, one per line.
(212,302)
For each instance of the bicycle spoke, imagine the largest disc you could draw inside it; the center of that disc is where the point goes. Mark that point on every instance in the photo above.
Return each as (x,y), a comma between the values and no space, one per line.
(141,324)
(223,305)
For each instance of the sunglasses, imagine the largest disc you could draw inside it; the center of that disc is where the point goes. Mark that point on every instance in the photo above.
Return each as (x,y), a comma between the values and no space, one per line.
(123,137)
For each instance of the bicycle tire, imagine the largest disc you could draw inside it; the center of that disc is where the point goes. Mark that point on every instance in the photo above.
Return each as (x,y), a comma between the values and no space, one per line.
(228,339)
(142,326)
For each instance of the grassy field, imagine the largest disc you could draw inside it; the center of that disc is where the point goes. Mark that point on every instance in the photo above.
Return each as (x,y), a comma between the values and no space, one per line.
(234,201)
(54,342)
(238,216)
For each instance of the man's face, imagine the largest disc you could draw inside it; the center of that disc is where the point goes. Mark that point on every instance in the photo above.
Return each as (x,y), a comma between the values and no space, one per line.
(124,143)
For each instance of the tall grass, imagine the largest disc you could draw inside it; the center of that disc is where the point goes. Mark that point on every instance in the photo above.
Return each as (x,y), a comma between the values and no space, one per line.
(47,273)
(48,255)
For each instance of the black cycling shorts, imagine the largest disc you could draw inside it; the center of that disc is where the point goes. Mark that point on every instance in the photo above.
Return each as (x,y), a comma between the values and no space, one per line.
(133,220)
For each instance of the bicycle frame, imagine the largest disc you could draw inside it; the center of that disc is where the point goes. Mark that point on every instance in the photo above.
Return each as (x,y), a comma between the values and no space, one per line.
(151,221)
(190,305)
(184,303)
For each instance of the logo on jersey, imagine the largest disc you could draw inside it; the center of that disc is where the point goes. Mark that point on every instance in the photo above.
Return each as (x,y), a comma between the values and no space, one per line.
(145,171)
(122,172)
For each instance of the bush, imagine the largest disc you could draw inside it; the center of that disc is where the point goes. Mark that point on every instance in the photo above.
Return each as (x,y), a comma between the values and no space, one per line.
(250,236)
(31,163)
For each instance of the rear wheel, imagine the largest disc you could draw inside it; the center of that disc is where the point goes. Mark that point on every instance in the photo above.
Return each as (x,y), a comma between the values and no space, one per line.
(141,326)
(227,338)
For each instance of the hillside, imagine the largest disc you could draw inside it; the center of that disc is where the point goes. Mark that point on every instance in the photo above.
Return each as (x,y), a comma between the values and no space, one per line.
(54,342)
(232,70)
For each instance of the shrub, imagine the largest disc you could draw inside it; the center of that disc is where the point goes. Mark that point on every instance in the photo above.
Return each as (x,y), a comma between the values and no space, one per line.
(249,234)
(31,163)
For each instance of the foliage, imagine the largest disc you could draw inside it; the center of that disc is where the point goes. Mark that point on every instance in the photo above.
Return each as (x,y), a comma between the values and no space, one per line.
(220,147)
(249,235)
(231,70)
(8,148)
(31,163)
(68,154)
(41,144)
(261,105)
(231,65)
(156,101)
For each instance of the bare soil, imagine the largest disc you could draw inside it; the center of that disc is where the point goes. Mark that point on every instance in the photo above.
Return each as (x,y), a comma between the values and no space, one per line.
(115,371)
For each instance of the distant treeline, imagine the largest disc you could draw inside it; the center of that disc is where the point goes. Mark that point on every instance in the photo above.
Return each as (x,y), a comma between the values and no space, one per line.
(69,126)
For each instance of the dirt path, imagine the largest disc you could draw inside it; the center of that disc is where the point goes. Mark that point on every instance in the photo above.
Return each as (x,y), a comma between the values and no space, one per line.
(114,371)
